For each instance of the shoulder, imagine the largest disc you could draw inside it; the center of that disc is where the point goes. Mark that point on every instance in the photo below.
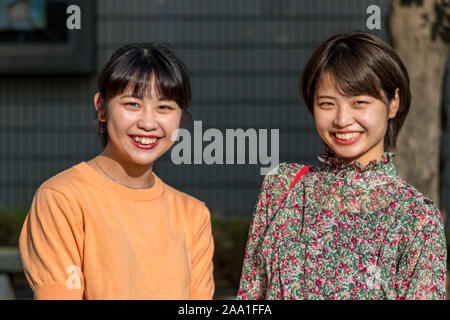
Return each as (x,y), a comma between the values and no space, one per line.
(192,212)
(185,202)
(418,210)
(422,226)
(428,215)
(57,197)
(64,183)
(277,183)
(283,174)
(287,168)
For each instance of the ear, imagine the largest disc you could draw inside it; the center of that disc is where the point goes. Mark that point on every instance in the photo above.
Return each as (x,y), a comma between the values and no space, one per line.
(100,107)
(394,105)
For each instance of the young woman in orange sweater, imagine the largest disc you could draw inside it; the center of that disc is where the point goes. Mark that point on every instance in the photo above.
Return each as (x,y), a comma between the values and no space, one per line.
(109,228)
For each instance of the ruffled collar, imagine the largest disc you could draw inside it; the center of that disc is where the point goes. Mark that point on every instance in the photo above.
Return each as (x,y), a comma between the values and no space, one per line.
(328,160)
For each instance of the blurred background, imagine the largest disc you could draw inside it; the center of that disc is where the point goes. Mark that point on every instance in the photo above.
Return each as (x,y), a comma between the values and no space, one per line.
(245,59)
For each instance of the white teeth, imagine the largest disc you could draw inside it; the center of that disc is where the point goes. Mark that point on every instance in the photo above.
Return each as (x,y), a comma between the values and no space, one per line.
(347,136)
(145,140)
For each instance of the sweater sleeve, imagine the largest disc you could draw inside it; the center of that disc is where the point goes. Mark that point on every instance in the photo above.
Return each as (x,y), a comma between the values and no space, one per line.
(422,269)
(51,247)
(202,281)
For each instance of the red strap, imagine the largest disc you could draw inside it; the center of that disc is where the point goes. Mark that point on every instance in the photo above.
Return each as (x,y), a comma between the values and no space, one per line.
(302,171)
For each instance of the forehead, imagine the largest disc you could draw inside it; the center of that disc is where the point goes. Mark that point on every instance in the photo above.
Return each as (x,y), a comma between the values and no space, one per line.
(326,84)
(148,88)
(324,81)
(330,84)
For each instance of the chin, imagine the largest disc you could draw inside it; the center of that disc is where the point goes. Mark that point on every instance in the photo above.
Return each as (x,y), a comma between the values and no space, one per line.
(145,157)
(143,161)
(348,159)
(346,154)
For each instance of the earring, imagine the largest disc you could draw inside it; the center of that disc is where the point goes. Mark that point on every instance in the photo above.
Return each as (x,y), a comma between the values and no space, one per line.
(102,118)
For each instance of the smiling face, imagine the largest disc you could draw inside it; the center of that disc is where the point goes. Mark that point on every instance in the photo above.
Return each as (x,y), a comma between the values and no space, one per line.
(139,128)
(352,126)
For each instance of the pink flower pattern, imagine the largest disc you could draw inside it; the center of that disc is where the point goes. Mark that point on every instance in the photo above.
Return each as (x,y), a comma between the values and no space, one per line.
(344,231)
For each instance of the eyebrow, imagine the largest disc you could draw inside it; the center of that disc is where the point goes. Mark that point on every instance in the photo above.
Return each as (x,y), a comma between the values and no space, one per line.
(329,97)
(132,96)
(142,98)
(165,99)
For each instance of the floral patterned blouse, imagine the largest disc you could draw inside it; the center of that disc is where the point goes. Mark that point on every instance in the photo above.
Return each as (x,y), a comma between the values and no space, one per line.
(344,231)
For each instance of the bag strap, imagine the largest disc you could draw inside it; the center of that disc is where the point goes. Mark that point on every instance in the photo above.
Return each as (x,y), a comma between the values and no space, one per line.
(285,192)
(302,171)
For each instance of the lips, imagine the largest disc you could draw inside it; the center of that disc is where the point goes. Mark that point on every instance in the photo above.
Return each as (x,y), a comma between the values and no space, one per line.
(347,137)
(145,142)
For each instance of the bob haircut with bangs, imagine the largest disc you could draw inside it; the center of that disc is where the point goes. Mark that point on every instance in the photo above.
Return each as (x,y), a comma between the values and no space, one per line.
(360,63)
(133,67)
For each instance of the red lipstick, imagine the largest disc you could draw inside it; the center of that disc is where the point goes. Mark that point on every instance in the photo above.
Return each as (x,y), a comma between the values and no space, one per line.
(144,146)
(346,142)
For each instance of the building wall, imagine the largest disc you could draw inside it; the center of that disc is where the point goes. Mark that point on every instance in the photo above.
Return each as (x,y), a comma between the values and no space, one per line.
(245,59)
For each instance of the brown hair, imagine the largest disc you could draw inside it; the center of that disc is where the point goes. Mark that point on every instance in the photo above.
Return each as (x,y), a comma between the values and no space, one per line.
(133,66)
(360,63)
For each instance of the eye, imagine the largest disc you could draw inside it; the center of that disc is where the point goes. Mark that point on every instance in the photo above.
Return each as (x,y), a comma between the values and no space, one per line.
(361,102)
(326,104)
(132,104)
(164,107)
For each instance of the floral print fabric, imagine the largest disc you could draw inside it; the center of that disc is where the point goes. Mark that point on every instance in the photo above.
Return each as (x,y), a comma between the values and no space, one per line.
(344,231)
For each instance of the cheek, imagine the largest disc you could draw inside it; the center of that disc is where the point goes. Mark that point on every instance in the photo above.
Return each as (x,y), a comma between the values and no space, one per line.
(120,120)
(374,120)
(323,120)
(170,123)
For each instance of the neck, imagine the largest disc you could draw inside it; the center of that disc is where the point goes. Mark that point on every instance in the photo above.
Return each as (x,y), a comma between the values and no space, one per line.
(126,174)
(374,153)
(365,159)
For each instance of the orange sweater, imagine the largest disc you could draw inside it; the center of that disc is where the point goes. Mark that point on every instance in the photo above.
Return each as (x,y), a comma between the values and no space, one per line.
(86,237)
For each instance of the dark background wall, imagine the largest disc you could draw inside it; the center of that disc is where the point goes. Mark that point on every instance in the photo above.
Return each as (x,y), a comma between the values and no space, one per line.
(245,59)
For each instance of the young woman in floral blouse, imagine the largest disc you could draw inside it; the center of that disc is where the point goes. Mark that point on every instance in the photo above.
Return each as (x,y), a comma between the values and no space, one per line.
(350,228)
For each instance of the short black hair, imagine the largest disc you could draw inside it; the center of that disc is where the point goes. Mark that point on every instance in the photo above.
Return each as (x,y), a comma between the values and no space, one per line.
(133,67)
(360,63)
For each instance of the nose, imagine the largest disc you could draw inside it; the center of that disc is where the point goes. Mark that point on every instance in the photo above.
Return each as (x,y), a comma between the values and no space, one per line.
(148,120)
(344,116)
